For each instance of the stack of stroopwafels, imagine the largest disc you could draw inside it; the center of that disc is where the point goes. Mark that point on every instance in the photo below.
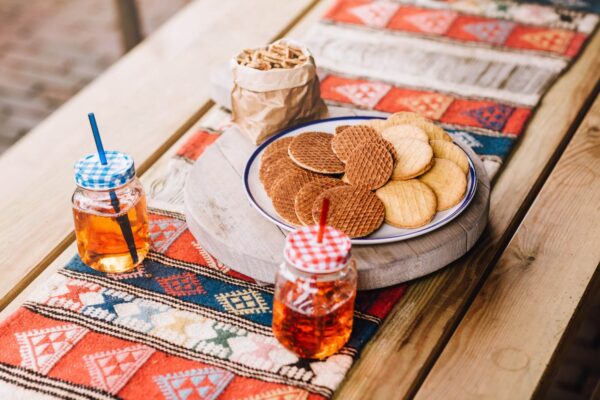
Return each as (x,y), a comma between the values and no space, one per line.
(401,170)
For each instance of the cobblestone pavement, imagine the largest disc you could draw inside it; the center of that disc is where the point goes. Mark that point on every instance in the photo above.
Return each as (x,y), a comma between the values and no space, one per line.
(50,49)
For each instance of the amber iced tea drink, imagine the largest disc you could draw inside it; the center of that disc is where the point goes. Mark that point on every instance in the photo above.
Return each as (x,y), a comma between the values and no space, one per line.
(314,318)
(109,211)
(100,240)
(315,289)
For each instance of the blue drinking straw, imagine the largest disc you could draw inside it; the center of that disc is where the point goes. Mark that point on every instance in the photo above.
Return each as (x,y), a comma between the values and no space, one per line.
(122,220)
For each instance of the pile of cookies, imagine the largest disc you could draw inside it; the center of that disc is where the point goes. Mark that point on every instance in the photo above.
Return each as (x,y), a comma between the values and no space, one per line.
(401,170)
(275,55)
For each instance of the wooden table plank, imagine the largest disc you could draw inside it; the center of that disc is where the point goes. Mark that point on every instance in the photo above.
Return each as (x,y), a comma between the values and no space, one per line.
(143,104)
(511,331)
(394,364)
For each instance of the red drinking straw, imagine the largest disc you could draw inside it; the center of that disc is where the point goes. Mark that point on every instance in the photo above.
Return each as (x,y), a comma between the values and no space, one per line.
(323,220)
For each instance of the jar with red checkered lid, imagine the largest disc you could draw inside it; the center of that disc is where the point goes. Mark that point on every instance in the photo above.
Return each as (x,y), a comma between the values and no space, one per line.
(315,289)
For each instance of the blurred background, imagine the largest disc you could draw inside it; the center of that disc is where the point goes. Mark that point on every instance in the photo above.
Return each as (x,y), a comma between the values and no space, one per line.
(51,49)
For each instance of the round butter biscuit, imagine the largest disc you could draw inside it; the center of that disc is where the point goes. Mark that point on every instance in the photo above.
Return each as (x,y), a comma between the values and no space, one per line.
(408,204)
(414,158)
(447,181)
(433,131)
(450,151)
(405,117)
(378,124)
(403,131)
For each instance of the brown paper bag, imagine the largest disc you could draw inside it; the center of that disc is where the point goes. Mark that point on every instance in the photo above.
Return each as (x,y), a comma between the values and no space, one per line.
(266,102)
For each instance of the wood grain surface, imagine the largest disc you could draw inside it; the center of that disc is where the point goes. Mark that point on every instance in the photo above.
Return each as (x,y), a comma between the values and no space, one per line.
(143,104)
(416,331)
(515,324)
(233,231)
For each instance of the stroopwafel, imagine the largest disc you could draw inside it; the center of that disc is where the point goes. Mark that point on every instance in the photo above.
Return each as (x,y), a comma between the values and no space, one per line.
(284,192)
(369,165)
(312,150)
(344,143)
(356,211)
(308,193)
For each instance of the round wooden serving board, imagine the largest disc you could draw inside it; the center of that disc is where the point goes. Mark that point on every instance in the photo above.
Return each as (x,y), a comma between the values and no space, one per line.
(221,218)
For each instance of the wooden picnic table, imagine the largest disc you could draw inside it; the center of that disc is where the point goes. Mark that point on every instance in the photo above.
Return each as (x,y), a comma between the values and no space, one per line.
(489,325)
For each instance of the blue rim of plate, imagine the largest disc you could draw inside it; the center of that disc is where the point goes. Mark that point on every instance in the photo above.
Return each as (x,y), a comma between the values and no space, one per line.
(365,240)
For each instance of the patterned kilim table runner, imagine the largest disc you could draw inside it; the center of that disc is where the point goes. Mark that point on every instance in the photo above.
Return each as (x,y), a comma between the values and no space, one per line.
(184,326)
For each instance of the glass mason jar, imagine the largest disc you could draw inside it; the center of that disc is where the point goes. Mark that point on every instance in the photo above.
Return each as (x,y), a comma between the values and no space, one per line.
(109,210)
(315,289)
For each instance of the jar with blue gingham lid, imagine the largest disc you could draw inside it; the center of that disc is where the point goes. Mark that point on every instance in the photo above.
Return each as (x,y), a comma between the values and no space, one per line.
(91,174)
(315,289)
(110,213)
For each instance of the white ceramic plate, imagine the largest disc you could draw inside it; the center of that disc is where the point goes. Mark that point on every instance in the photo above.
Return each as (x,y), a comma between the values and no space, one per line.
(386,233)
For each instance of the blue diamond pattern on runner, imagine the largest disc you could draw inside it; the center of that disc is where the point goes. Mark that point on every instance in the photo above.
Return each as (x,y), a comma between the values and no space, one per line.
(205,384)
(140,310)
(106,309)
(491,117)
(492,32)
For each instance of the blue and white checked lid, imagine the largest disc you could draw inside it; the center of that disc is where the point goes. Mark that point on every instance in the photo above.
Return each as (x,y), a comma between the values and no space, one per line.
(91,174)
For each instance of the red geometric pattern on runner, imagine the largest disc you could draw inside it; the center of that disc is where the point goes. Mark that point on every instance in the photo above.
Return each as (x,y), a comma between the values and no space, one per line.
(576,44)
(461,112)
(431,105)
(71,367)
(184,284)
(477,29)
(441,107)
(364,94)
(194,384)
(377,13)
(111,370)
(415,19)
(517,121)
(163,231)
(345,11)
(543,39)
(462,27)
(72,295)
(42,348)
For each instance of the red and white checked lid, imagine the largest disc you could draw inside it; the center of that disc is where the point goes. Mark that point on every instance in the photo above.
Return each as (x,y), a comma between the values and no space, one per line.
(303,252)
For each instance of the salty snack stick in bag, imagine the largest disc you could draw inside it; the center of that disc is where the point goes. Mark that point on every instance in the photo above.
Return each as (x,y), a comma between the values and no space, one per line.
(274,88)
